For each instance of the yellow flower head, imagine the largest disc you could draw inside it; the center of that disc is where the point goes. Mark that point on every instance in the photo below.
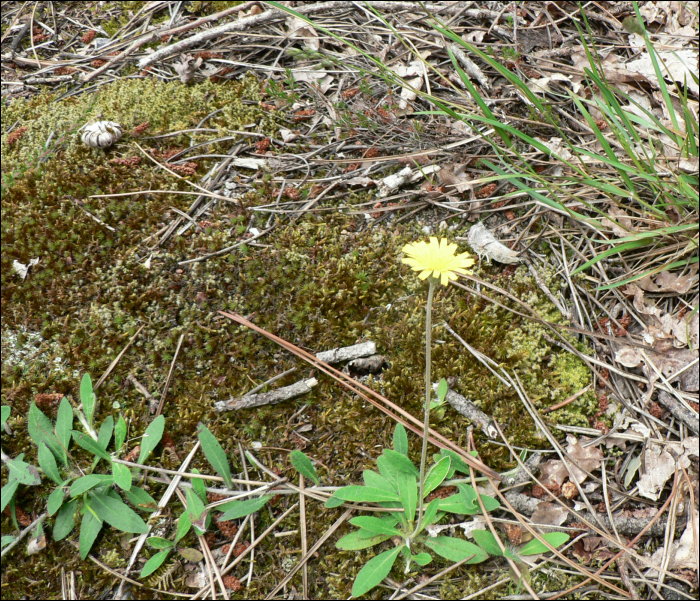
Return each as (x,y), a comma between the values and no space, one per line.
(437,259)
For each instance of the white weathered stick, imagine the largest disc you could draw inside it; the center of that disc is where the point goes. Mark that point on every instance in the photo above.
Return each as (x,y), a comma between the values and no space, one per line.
(470,411)
(267,398)
(346,353)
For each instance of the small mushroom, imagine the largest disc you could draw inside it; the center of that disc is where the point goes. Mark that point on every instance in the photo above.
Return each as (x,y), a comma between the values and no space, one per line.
(102,134)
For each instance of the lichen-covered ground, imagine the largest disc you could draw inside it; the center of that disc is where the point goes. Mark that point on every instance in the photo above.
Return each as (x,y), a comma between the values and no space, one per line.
(329,279)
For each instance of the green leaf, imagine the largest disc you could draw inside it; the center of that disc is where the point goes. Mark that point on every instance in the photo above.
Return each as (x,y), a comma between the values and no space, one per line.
(374,571)
(489,503)
(154,563)
(191,555)
(55,500)
(356,541)
(4,414)
(215,454)
(196,511)
(487,541)
(87,443)
(303,465)
(237,509)
(106,431)
(41,430)
(120,433)
(455,504)
(632,467)
(468,496)
(87,397)
(465,502)
(117,513)
(408,493)
(456,549)
(333,502)
(89,529)
(122,475)
(85,483)
(47,462)
(387,470)
(199,487)
(400,462)
(436,475)
(373,479)
(183,527)
(6,540)
(23,472)
(65,521)
(140,499)
(400,439)
(456,462)
(430,513)
(442,390)
(375,525)
(365,494)
(422,559)
(158,542)
(556,539)
(151,437)
(8,491)
(64,425)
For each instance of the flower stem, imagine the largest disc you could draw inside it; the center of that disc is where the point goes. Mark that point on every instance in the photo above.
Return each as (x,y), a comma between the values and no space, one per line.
(428,387)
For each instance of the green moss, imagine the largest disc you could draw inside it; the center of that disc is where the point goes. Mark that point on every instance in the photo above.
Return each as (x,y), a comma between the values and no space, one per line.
(323,282)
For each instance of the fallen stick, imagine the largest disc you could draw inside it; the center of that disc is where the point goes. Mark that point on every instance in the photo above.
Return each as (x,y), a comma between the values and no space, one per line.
(267,398)
(347,353)
(471,412)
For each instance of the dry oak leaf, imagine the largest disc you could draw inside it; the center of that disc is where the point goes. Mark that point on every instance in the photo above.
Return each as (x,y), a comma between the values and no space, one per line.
(584,458)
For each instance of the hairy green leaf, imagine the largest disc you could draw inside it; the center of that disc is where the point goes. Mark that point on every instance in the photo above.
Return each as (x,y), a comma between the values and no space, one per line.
(117,513)
(400,440)
(487,541)
(87,443)
(151,437)
(436,475)
(87,397)
(154,562)
(47,462)
(303,465)
(89,529)
(400,462)
(122,475)
(237,509)
(64,425)
(361,539)
(215,454)
(120,433)
(374,571)
(456,549)
(556,539)
(365,494)
(375,525)
(65,521)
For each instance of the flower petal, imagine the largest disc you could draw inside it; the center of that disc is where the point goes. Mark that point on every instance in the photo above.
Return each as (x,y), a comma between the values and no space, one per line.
(437,258)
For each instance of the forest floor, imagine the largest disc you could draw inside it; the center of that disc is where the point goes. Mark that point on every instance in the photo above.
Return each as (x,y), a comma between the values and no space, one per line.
(196,203)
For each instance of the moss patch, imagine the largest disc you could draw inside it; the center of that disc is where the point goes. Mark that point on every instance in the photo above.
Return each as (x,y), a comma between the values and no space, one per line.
(328,280)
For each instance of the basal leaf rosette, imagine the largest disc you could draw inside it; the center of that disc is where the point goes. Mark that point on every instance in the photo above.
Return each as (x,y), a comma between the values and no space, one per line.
(437,259)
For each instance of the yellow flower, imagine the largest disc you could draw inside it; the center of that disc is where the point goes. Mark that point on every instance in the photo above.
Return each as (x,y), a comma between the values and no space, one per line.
(437,259)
